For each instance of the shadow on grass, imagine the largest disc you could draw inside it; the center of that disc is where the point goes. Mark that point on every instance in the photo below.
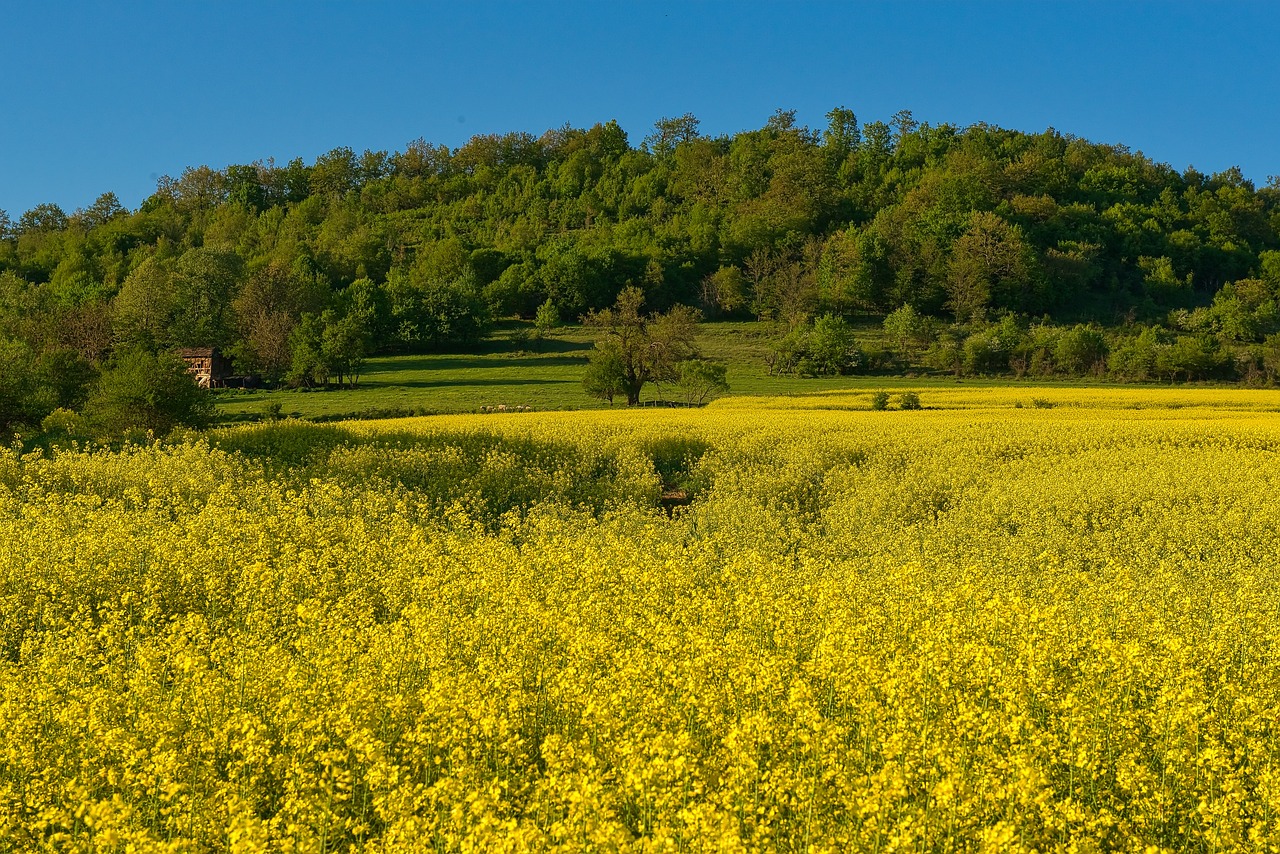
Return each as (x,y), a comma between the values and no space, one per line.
(536,348)
(510,382)
(429,364)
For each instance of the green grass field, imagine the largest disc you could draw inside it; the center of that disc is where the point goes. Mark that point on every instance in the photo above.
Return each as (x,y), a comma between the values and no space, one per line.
(508,370)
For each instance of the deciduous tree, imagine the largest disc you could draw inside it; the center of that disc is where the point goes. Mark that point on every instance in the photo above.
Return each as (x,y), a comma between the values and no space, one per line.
(635,349)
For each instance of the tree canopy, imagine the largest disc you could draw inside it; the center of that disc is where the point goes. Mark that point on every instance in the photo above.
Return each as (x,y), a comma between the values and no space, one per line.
(423,247)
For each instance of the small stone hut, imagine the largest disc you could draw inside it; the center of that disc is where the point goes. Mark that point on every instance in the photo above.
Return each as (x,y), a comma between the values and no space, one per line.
(207,365)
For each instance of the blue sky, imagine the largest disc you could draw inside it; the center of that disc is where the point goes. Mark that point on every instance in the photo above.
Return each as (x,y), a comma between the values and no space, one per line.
(109,96)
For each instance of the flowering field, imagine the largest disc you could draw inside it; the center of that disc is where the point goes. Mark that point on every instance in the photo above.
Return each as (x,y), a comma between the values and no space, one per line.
(996,623)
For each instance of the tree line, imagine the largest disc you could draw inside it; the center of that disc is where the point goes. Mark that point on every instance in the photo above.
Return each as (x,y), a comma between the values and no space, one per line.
(298,271)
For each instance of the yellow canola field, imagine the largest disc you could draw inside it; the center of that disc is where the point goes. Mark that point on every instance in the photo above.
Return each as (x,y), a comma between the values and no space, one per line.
(972,627)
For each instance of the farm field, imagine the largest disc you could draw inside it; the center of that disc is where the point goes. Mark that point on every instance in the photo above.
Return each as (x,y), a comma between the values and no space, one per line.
(1020,619)
(511,372)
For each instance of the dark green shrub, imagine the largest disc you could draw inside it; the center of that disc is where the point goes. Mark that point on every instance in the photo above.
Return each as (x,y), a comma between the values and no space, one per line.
(148,392)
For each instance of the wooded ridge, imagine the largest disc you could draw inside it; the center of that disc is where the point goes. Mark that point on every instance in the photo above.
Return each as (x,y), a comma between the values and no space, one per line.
(296,271)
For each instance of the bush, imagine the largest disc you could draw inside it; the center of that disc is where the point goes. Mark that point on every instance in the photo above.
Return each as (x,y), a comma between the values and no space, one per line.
(880,401)
(1135,358)
(833,349)
(909,400)
(1081,350)
(701,380)
(1192,357)
(147,392)
(826,347)
(62,426)
(907,329)
(946,354)
(604,375)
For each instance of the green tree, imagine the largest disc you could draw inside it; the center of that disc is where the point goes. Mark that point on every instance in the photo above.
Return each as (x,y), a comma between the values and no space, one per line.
(1136,357)
(990,264)
(670,132)
(947,353)
(546,319)
(142,312)
(842,135)
(907,329)
(344,343)
(1081,350)
(605,375)
(268,307)
(701,380)
(307,363)
(1162,283)
(1191,357)
(725,290)
(832,347)
(21,403)
(150,391)
(640,349)
(430,312)
(1270,353)
(987,351)
(65,377)
(204,284)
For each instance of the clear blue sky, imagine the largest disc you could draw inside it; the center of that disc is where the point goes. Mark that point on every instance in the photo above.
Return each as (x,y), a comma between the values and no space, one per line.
(109,96)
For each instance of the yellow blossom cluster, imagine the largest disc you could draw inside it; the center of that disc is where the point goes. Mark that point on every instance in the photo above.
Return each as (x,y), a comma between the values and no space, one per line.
(970,627)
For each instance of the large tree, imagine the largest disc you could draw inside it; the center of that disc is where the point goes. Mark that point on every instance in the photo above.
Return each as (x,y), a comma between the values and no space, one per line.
(268,307)
(635,349)
(991,263)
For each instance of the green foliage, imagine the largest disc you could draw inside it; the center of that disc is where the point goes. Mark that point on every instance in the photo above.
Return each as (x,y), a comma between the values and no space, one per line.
(1191,357)
(430,312)
(1081,350)
(635,349)
(343,345)
(18,406)
(268,307)
(825,347)
(1270,357)
(146,391)
(909,400)
(62,426)
(989,349)
(32,386)
(307,364)
(605,374)
(907,329)
(1135,357)
(947,354)
(726,290)
(832,348)
(701,380)
(991,264)
(545,321)
(425,246)
(880,401)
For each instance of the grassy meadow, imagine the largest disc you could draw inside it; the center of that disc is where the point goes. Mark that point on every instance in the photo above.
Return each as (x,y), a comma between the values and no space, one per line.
(510,370)
(991,624)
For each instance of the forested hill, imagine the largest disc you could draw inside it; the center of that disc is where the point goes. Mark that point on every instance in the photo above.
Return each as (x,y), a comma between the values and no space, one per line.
(419,248)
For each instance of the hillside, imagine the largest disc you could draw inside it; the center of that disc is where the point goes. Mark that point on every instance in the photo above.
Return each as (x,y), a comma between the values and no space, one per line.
(300,271)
